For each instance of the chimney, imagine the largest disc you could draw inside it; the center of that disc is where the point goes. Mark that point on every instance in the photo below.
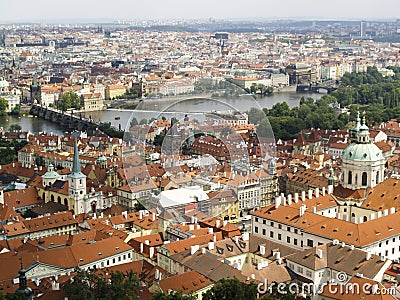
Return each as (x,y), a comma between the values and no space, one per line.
(330,189)
(262,250)
(323,191)
(192,219)
(309,194)
(314,209)
(151,252)
(277,255)
(224,223)
(210,230)
(368,256)
(277,202)
(203,250)
(140,214)
(211,245)
(217,223)
(193,249)
(147,242)
(214,237)
(157,274)
(141,247)
(319,253)
(343,244)
(245,236)
(379,214)
(296,197)
(303,196)
(372,216)
(302,210)
(289,199)
(385,212)
(316,192)
(153,216)
(392,210)
(236,239)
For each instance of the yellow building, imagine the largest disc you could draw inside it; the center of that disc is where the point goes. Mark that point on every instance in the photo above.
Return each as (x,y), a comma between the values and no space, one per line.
(115,90)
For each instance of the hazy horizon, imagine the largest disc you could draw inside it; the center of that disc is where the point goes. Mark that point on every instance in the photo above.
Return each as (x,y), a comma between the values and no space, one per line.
(125,10)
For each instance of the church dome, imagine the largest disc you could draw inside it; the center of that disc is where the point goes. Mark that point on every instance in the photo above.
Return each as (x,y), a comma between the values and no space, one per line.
(51,174)
(362,152)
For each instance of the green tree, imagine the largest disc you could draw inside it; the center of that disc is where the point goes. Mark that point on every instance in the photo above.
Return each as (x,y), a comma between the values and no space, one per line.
(138,206)
(255,115)
(90,285)
(15,127)
(16,110)
(227,289)
(176,295)
(143,122)
(134,122)
(69,100)
(3,106)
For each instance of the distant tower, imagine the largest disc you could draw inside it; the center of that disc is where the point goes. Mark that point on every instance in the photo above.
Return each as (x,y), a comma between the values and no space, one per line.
(77,183)
(363,28)
(36,91)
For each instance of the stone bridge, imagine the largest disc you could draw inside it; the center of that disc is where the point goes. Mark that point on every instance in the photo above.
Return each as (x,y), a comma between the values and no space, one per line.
(65,119)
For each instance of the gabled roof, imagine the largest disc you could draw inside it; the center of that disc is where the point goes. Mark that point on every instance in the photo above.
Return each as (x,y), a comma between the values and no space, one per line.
(187,282)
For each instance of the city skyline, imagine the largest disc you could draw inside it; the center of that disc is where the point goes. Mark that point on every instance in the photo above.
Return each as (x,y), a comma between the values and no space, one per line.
(179,9)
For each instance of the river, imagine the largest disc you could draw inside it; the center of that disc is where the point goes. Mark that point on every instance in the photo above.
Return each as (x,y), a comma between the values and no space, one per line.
(156,108)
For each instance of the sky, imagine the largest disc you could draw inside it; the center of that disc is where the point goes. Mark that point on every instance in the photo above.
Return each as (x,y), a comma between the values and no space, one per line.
(50,10)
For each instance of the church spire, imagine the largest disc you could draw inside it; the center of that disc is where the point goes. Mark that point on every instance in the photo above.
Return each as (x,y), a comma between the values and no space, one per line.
(76,167)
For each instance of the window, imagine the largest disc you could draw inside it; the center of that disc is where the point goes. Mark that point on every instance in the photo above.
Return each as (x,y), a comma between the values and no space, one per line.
(310,243)
(300,269)
(272,224)
(280,226)
(350,177)
(279,236)
(364,178)
(271,234)
(377,177)
(295,241)
(256,229)
(264,221)
(256,219)
(288,228)
(264,232)
(308,273)
(288,239)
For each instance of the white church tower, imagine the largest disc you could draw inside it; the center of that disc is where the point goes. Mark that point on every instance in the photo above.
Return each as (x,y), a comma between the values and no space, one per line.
(77,183)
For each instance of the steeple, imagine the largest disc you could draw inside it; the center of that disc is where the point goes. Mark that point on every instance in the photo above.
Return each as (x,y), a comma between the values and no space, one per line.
(76,167)
(355,129)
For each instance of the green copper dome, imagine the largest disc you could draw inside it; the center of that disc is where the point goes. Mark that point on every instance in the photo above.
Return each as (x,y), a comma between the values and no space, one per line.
(51,174)
(362,152)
